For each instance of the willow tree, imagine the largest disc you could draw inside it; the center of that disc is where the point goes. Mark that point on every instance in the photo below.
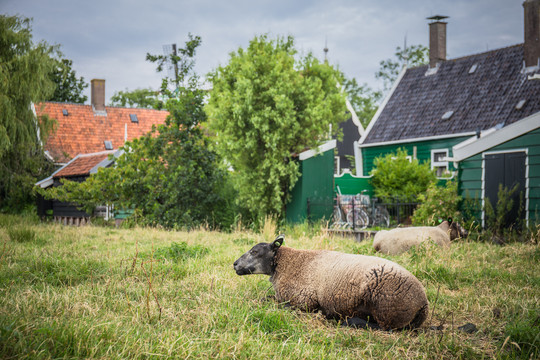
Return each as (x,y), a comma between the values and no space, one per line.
(25,70)
(266,106)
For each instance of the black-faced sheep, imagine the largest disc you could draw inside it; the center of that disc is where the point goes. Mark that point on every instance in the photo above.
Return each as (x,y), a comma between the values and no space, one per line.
(397,241)
(342,286)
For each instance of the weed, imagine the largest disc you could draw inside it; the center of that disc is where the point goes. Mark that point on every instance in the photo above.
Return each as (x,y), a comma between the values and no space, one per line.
(180,251)
(21,234)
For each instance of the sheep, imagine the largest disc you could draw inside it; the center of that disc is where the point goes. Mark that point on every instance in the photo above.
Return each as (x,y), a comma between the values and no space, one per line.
(399,240)
(359,290)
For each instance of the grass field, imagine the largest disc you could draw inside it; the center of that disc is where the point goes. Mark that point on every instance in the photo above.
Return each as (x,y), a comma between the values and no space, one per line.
(98,292)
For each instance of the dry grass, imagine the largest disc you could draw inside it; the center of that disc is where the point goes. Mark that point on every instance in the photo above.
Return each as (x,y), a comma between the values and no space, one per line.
(95,292)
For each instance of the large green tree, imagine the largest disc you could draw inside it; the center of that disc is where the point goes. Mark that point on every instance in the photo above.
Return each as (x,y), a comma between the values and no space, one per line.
(266,106)
(169,176)
(25,70)
(69,87)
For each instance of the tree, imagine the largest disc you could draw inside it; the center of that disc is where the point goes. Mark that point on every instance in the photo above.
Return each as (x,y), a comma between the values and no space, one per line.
(363,99)
(140,98)
(69,88)
(415,55)
(170,176)
(266,107)
(25,70)
(396,175)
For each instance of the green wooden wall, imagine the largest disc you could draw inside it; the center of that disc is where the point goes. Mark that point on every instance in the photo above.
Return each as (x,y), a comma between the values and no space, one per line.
(470,171)
(423,150)
(316,182)
(352,185)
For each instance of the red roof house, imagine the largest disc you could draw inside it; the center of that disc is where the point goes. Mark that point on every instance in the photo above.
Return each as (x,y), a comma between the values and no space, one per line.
(84,129)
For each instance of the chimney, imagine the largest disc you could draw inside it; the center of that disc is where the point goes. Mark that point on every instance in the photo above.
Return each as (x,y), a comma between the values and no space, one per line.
(531,48)
(98,94)
(437,40)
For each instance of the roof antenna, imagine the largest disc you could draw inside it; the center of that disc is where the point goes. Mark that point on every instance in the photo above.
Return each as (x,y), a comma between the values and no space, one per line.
(405,53)
(325,50)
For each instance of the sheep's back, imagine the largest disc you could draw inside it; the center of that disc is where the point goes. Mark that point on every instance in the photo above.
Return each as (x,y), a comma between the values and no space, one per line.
(362,286)
(397,241)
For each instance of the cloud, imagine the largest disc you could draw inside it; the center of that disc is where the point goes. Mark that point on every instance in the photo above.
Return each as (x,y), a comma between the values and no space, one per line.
(110,39)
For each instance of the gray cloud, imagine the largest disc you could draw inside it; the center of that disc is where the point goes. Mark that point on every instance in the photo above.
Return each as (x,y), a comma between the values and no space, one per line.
(110,39)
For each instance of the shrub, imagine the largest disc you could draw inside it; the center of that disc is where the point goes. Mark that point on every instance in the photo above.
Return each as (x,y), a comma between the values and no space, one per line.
(395,175)
(437,203)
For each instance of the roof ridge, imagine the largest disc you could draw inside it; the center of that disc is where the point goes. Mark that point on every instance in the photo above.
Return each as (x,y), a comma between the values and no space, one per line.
(485,52)
(90,105)
(106,152)
(470,55)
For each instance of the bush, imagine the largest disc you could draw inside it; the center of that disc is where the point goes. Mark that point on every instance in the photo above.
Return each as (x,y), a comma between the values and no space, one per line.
(437,203)
(395,175)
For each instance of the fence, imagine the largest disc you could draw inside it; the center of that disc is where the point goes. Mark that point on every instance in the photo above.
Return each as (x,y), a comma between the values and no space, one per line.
(319,209)
(358,212)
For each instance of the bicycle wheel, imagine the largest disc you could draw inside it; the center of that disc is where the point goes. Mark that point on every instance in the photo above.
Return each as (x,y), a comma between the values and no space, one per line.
(382,217)
(337,217)
(360,220)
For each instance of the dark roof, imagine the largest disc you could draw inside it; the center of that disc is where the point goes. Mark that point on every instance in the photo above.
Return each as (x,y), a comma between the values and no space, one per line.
(83,132)
(479,100)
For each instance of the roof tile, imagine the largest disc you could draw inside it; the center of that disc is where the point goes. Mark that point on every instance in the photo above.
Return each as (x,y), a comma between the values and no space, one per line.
(82,132)
(480,100)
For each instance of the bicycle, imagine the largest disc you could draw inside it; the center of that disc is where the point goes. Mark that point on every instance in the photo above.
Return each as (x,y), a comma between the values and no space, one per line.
(357,211)
(348,212)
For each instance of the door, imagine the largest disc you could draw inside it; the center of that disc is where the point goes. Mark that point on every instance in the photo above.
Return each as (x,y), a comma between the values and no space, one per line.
(507,169)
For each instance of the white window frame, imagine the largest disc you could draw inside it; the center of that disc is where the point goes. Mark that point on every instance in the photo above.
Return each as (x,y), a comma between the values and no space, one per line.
(408,157)
(337,162)
(438,164)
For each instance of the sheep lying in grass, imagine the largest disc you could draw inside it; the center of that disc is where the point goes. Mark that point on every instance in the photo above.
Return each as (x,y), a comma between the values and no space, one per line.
(354,288)
(397,241)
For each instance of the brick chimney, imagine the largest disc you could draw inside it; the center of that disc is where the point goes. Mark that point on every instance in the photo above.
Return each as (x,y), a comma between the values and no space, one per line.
(437,40)
(531,48)
(98,94)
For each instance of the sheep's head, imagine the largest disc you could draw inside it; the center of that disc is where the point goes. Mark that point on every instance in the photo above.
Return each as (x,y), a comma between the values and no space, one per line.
(260,259)
(454,230)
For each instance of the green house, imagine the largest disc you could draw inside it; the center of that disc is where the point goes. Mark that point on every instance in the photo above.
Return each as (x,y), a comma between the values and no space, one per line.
(474,118)
(312,195)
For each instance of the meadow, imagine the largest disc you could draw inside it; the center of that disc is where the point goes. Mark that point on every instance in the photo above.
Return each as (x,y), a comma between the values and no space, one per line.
(144,293)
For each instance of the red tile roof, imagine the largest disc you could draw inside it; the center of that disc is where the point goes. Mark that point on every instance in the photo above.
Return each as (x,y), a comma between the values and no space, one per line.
(83,132)
(82,164)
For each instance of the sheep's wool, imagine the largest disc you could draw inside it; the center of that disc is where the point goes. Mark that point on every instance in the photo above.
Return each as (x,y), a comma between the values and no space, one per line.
(347,285)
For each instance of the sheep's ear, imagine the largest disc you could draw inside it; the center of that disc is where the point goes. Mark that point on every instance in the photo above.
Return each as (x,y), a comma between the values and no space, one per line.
(278,241)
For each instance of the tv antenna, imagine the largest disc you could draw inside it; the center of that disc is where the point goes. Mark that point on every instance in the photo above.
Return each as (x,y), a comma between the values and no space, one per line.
(171,67)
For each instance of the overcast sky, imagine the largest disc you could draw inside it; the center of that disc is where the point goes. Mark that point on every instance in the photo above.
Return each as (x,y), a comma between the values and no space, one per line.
(109,39)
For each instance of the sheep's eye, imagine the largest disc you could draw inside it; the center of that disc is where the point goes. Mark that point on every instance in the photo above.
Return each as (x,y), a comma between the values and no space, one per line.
(253,252)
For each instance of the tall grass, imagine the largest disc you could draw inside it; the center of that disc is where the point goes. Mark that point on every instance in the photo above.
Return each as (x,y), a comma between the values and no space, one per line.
(94,292)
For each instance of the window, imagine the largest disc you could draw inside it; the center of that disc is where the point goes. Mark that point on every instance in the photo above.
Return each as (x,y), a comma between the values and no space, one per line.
(337,170)
(439,162)
(108,145)
(447,115)
(65,112)
(133,118)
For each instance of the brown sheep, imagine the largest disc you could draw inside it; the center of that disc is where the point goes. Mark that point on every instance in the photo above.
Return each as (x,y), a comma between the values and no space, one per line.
(399,240)
(354,288)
